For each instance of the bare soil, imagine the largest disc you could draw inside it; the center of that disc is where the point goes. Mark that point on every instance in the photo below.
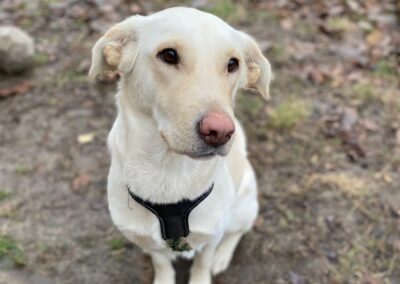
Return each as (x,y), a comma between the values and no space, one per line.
(325,147)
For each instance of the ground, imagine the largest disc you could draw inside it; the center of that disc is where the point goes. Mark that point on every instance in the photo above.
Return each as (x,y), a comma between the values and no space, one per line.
(326,147)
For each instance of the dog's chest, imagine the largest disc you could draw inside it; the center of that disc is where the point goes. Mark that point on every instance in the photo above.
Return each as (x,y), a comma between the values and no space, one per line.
(144,229)
(206,222)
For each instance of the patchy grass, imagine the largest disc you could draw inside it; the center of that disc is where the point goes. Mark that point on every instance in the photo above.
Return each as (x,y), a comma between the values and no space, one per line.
(87,241)
(390,97)
(350,185)
(278,55)
(4,195)
(306,30)
(70,76)
(385,68)
(364,91)
(250,103)
(9,249)
(22,169)
(227,10)
(368,252)
(116,243)
(41,58)
(339,24)
(263,15)
(288,114)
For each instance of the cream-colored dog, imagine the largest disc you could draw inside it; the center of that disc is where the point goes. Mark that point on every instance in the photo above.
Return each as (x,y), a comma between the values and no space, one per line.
(175,142)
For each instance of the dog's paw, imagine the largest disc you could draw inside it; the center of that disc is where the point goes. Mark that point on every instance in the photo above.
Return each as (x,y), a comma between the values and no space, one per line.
(164,278)
(221,262)
(160,280)
(200,278)
(223,254)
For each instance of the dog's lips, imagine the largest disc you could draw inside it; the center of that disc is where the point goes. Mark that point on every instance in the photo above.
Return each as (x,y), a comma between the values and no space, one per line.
(201,156)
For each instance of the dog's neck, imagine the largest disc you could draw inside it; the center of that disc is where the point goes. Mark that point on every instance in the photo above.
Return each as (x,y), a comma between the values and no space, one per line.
(152,170)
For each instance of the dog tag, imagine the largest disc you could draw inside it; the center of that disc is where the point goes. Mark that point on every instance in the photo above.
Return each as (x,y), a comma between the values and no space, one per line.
(179,244)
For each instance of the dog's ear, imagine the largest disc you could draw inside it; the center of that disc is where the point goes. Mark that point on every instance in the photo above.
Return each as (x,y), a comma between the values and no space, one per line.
(258,67)
(117,50)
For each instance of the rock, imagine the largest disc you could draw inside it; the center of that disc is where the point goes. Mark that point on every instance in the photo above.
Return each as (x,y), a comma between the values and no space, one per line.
(17,50)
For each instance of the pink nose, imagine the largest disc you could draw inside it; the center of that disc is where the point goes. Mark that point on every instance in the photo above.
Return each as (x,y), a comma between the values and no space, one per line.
(216,128)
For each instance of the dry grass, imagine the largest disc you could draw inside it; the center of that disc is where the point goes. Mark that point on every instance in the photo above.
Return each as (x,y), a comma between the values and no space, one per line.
(350,184)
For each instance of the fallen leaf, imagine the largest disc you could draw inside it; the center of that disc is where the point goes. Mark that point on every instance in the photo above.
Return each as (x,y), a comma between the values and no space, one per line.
(19,88)
(86,137)
(370,125)
(374,37)
(316,76)
(295,189)
(296,278)
(287,24)
(7,208)
(81,182)
(387,178)
(343,126)
(348,119)
(398,137)
(136,9)
(372,279)
(258,223)
(396,245)
(351,53)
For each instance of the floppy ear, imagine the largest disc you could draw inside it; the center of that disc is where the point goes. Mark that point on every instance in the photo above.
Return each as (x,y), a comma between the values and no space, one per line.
(258,67)
(117,50)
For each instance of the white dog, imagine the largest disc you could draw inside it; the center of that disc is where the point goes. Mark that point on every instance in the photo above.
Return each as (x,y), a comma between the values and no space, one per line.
(180,183)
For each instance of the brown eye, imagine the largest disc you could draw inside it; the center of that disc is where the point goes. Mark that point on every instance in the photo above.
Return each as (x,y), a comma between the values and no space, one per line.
(233,65)
(169,56)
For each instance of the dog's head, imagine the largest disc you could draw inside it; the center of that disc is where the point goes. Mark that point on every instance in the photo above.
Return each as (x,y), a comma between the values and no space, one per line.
(183,68)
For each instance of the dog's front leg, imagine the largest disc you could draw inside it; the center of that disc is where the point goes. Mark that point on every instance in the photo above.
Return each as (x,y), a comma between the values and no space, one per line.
(164,272)
(201,268)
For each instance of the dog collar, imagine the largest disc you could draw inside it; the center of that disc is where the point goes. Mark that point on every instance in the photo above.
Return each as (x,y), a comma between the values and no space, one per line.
(173,218)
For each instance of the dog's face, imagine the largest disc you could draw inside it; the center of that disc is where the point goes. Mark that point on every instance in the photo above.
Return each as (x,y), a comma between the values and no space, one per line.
(183,67)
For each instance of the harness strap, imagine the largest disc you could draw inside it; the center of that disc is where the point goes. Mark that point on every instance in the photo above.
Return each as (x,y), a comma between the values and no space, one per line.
(173,217)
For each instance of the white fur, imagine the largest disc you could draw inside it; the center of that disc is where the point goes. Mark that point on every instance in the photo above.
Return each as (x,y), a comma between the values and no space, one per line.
(158,100)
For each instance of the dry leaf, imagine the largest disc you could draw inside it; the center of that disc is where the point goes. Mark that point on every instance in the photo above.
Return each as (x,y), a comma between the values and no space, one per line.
(398,137)
(81,182)
(387,178)
(86,137)
(258,223)
(287,24)
(370,125)
(374,37)
(348,119)
(16,89)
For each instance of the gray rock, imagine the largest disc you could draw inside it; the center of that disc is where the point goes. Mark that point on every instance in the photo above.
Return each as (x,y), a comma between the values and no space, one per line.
(17,50)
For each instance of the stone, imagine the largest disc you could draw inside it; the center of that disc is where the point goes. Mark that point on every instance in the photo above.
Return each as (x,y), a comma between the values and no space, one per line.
(17,50)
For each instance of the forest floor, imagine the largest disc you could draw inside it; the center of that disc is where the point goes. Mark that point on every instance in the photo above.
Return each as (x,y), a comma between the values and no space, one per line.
(326,147)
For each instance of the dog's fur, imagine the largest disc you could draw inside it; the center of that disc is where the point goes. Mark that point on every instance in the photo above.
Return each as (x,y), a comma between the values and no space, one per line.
(155,146)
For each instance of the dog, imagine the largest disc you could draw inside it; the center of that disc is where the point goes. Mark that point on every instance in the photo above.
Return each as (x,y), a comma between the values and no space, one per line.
(180,183)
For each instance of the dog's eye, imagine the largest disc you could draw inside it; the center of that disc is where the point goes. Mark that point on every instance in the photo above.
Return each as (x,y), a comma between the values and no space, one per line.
(169,56)
(233,65)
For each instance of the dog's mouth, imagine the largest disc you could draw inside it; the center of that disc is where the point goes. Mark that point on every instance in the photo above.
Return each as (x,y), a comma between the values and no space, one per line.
(201,156)
(203,153)
(207,153)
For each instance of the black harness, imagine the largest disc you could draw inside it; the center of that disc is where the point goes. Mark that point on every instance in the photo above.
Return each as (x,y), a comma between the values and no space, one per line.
(174,218)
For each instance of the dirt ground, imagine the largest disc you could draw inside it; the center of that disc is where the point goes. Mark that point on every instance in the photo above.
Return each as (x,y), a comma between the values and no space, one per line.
(326,147)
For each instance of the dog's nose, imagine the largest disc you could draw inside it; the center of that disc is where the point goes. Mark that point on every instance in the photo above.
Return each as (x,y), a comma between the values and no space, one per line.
(216,128)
